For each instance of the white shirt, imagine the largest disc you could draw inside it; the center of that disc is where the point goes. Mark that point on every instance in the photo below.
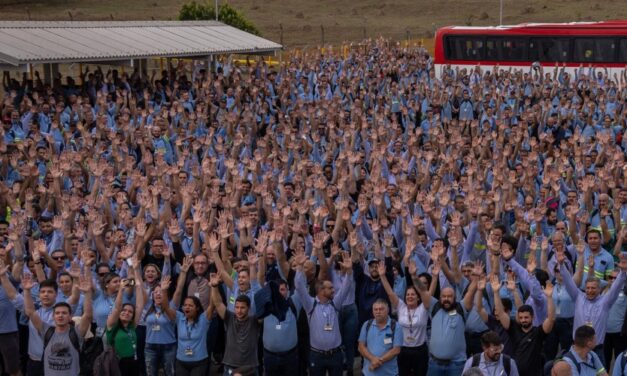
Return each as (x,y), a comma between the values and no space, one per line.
(414,324)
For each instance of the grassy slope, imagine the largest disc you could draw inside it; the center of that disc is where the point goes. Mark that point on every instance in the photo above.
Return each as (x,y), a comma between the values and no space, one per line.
(342,20)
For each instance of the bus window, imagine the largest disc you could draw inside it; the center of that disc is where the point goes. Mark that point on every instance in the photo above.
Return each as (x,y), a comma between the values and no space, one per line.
(590,50)
(549,49)
(513,49)
(623,51)
(464,48)
(491,50)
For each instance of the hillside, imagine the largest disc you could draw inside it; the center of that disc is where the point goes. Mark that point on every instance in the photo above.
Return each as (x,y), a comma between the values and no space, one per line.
(342,20)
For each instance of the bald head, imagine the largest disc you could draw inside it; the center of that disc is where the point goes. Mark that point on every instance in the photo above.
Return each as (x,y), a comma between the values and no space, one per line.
(561,369)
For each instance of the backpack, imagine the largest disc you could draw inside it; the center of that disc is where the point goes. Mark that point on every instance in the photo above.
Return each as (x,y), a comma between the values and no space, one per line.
(507,362)
(369,324)
(567,354)
(73,339)
(106,362)
(437,307)
(315,303)
(92,348)
(293,308)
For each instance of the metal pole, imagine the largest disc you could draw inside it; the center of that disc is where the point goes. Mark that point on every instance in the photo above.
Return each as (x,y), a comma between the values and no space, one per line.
(500,12)
(217,11)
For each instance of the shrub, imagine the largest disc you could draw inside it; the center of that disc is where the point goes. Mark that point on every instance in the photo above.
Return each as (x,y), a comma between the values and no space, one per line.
(227,14)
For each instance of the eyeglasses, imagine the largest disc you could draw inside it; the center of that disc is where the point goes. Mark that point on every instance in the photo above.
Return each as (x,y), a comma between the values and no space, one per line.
(59,258)
(611,277)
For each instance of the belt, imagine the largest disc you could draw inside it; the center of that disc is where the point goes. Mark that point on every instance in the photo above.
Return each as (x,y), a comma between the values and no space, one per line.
(281,353)
(327,352)
(442,362)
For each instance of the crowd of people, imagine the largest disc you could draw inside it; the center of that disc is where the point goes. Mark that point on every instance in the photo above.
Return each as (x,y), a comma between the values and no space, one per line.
(367,213)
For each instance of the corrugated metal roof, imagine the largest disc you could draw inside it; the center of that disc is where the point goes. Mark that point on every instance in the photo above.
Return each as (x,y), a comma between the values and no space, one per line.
(24,42)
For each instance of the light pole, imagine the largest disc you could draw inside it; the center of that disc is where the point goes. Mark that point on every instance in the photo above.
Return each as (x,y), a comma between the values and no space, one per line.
(218,11)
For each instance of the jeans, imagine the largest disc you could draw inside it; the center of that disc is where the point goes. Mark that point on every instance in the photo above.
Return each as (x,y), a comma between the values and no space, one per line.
(454,368)
(561,335)
(160,355)
(613,345)
(349,330)
(320,364)
(281,364)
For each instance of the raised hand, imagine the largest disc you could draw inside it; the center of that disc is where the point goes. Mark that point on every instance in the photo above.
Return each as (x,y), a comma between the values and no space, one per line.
(187,263)
(381,268)
(27,281)
(165,282)
(548,290)
(495,283)
(84,284)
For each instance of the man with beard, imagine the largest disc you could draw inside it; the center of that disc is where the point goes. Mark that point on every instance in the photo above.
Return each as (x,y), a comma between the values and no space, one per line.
(527,340)
(581,358)
(491,361)
(447,345)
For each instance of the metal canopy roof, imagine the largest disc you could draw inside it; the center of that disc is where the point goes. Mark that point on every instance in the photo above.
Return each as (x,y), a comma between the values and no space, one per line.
(23,42)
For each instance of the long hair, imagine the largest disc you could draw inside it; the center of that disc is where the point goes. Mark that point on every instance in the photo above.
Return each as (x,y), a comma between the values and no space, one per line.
(198,305)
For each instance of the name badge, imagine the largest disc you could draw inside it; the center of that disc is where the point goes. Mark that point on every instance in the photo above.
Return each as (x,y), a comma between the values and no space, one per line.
(156,328)
(409,339)
(328,328)
(197,295)
(589,324)
(452,313)
(278,326)
(189,351)
(387,340)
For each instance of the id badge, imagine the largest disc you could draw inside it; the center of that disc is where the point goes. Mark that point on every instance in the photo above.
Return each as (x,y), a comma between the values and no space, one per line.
(328,328)
(189,351)
(156,328)
(387,341)
(589,324)
(409,339)
(452,313)
(197,295)
(278,326)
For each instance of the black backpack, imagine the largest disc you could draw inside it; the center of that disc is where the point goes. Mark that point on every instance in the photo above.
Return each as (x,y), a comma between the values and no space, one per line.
(86,355)
(507,362)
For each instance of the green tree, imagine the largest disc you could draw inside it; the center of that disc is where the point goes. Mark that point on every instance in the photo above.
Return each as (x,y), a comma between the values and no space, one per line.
(227,14)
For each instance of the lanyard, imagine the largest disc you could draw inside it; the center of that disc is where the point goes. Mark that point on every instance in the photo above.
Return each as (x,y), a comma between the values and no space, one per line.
(189,328)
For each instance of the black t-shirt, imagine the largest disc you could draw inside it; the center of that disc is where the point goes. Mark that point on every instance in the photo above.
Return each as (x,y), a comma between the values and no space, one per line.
(527,348)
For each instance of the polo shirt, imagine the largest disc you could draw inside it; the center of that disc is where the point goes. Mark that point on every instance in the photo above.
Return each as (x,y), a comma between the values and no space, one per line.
(192,338)
(281,336)
(159,328)
(447,334)
(617,369)
(379,341)
(124,342)
(493,368)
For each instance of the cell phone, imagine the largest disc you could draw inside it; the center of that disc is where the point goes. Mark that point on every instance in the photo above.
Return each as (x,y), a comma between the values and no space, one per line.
(129,262)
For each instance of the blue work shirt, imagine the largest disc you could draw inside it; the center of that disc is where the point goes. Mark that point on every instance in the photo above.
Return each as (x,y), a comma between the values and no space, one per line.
(447,333)
(35,342)
(192,338)
(159,328)
(564,304)
(617,370)
(617,313)
(281,336)
(8,323)
(591,366)
(324,324)
(379,341)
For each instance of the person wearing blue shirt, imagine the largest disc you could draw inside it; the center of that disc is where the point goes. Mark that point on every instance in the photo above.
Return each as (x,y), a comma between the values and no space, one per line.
(581,358)
(491,361)
(160,347)
(380,342)
(280,334)
(562,333)
(447,345)
(615,342)
(620,360)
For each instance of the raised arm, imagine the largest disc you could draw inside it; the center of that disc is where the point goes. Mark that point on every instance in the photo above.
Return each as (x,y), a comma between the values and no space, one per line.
(571,288)
(547,325)
(180,283)
(386,285)
(481,283)
(29,305)
(214,246)
(423,291)
(617,286)
(85,286)
(499,311)
(216,299)
(165,302)
(114,316)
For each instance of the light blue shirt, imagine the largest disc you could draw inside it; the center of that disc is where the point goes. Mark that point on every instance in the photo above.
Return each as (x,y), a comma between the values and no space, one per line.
(379,341)
(8,323)
(564,304)
(617,313)
(159,328)
(447,334)
(591,366)
(35,342)
(617,371)
(281,336)
(192,339)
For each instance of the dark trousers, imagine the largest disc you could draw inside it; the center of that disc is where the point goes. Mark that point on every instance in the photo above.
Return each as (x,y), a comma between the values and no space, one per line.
(279,364)
(198,368)
(34,368)
(613,345)
(350,331)
(23,335)
(129,366)
(140,331)
(561,336)
(215,330)
(413,361)
(320,364)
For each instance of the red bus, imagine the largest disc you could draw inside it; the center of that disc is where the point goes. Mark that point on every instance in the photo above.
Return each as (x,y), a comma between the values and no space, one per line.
(600,44)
